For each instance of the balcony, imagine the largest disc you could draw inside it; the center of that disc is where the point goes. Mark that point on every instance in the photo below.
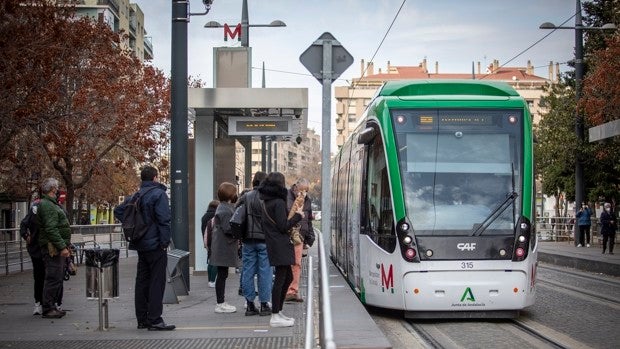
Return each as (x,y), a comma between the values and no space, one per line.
(148,48)
(113,4)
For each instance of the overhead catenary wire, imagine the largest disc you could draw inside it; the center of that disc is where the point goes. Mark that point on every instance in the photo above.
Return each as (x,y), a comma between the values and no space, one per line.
(532,45)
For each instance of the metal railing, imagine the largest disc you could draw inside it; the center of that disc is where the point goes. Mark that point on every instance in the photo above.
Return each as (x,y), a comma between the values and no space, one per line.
(326,326)
(14,256)
(563,229)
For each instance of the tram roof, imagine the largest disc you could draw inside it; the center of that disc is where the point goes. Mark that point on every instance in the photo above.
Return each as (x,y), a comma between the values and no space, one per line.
(402,88)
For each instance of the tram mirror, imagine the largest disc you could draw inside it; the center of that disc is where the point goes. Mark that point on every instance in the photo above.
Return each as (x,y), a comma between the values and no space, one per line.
(367,135)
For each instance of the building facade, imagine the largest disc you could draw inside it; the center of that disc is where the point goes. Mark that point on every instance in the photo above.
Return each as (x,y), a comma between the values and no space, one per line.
(288,157)
(351,101)
(121,15)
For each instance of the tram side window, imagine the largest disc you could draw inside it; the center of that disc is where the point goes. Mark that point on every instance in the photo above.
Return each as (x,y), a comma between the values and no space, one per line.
(379,202)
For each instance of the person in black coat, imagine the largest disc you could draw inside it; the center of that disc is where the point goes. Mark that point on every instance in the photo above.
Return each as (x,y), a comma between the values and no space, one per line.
(279,246)
(29,231)
(608,228)
(210,213)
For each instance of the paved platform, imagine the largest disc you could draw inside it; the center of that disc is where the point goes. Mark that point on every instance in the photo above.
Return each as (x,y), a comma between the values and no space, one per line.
(197,324)
(564,253)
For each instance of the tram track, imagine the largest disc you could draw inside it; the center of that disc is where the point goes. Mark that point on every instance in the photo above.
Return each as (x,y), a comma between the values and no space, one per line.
(564,288)
(592,295)
(500,333)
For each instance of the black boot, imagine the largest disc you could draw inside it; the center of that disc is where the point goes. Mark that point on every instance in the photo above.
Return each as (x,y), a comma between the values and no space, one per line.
(251,309)
(265,310)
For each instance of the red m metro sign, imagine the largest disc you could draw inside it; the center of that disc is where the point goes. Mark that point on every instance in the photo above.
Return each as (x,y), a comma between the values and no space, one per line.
(233,34)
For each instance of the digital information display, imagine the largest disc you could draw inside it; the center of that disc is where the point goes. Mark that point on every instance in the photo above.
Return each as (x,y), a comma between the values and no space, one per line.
(250,126)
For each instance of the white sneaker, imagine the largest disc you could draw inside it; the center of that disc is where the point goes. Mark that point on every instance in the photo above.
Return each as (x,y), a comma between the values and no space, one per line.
(211,284)
(277,320)
(225,308)
(579,245)
(588,245)
(286,317)
(37,309)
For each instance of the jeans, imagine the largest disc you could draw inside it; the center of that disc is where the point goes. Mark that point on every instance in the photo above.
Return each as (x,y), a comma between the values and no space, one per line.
(255,261)
(584,232)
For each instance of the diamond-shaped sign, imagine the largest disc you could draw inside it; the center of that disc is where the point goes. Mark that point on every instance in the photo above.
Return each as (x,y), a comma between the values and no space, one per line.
(312,58)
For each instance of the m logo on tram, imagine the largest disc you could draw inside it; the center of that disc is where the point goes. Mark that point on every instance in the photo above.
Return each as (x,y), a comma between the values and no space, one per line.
(387,281)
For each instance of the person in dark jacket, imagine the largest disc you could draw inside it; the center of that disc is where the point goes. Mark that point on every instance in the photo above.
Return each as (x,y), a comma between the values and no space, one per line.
(29,231)
(279,246)
(608,227)
(223,246)
(152,251)
(584,222)
(254,253)
(54,240)
(204,221)
(306,231)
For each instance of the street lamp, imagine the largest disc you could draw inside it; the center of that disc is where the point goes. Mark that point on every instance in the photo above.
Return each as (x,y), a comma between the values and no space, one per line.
(245,25)
(579,130)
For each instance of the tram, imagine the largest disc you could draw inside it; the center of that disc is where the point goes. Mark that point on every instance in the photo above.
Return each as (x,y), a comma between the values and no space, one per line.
(433,201)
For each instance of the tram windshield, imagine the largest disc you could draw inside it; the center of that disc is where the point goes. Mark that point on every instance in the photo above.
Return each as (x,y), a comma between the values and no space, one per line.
(461,170)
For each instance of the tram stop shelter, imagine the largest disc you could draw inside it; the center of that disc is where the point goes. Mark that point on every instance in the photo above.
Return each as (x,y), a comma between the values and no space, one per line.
(223,116)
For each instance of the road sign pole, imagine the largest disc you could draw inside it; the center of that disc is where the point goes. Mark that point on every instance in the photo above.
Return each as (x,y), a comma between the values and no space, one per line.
(326,183)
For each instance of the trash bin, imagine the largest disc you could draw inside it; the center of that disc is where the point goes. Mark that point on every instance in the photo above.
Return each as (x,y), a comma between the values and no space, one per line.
(104,261)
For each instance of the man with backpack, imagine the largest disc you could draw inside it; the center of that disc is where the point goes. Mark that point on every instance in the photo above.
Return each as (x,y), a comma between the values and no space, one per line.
(29,231)
(154,211)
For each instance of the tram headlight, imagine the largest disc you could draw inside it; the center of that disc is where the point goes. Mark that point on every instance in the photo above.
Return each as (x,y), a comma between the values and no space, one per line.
(521,238)
(407,240)
(524,226)
(502,252)
(404,226)
(429,253)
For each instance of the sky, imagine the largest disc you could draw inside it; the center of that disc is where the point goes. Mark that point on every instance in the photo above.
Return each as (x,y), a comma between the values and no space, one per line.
(453,33)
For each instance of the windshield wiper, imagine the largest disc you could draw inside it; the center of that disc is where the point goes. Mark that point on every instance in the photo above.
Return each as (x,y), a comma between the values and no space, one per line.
(510,198)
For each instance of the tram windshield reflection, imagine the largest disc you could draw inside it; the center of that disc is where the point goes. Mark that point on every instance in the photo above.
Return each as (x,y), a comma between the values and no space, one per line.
(455,174)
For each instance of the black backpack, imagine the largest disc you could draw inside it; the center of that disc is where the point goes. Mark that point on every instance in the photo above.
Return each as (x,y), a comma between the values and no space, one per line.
(134,226)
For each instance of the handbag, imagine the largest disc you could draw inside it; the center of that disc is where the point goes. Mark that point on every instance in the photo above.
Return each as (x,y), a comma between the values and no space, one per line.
(238,222)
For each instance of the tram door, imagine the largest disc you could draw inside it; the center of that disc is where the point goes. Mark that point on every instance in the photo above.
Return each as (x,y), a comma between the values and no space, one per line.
(354,211)
(342,197)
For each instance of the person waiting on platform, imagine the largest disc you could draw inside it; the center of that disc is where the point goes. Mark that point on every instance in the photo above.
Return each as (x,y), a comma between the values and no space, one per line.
(279,246)
(254,253)
(223,246)
(584,223)
(206,227)
(306,231)
(152,251)
(29,231)
(608,227)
